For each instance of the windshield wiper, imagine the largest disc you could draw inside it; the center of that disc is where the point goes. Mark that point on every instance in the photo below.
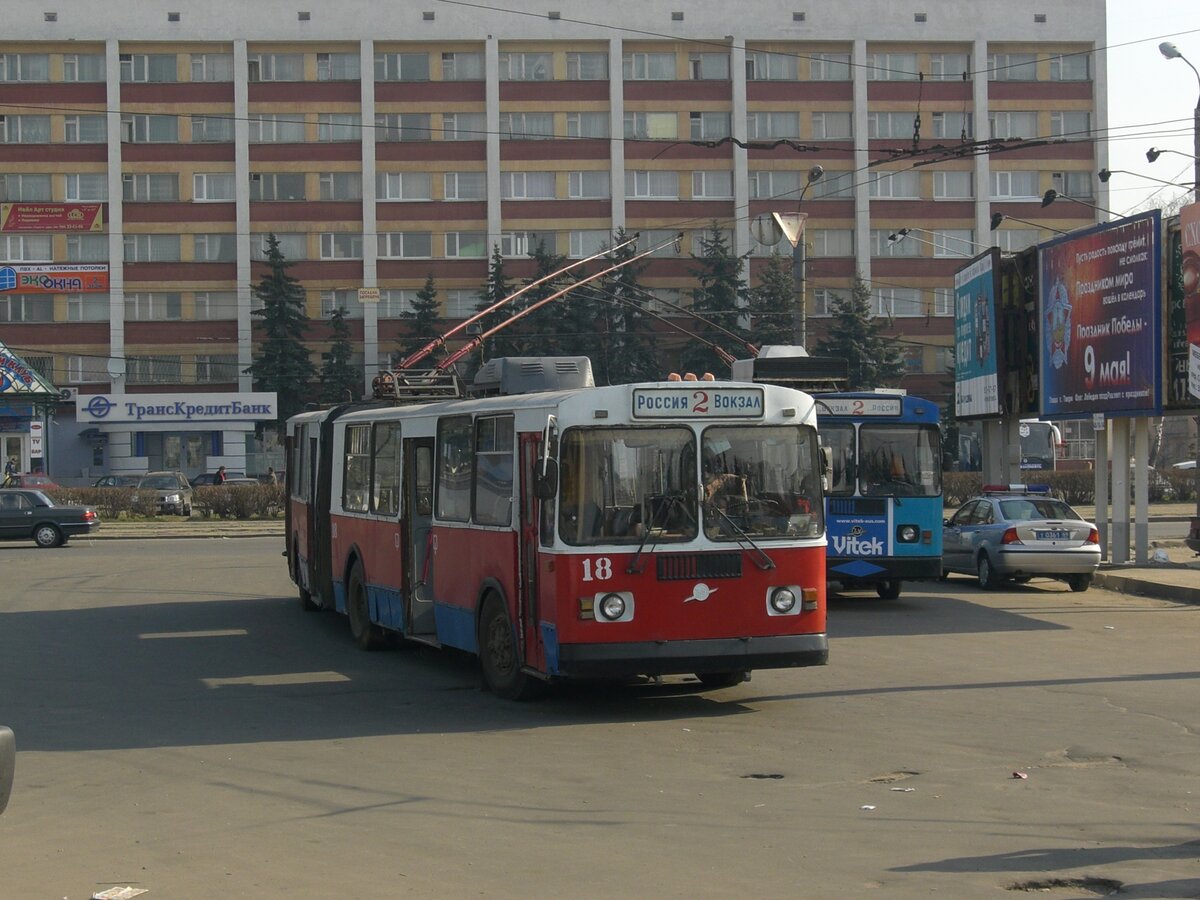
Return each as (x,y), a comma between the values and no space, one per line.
(763,561)
(634,567)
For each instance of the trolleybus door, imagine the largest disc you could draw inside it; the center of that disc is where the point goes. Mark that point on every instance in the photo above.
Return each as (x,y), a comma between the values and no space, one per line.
(529,508)
(418,502)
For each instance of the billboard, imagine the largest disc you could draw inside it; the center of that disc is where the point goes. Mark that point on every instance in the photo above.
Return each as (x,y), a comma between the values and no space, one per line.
(73,278)
(1099,317)
(51,217)
(976,362)
(1189,287)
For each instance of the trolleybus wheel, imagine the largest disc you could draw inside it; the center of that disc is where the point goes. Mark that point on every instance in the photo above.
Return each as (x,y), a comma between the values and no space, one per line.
(888,590)
(498,654)
(367,635)
(306,600)
(714,680)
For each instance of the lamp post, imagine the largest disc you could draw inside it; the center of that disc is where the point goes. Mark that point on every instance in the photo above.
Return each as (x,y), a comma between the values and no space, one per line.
(997,218)
(1106,174)
(791,225)
(1170,51)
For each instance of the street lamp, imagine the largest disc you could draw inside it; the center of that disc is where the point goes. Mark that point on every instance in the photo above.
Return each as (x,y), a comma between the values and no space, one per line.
(1170,51)
(1051,195)
(792,226)
(897,236)
(1106,174)
(902,233)
(997,218)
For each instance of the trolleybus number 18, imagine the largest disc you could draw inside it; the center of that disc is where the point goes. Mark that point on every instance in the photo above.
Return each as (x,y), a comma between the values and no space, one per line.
(598,569)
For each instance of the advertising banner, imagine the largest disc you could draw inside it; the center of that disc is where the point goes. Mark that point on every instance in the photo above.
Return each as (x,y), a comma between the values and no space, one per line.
(1189,287)
(51,217)
(1099,317)
(66,279)
(976,362)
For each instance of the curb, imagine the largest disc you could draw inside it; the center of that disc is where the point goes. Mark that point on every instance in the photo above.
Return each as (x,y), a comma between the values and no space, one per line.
(1128,584)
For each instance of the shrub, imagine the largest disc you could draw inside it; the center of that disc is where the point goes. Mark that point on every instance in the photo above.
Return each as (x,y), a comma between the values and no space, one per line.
(239,501)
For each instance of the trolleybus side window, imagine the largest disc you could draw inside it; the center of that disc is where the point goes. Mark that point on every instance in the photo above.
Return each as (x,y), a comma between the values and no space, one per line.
(356,480)
(494,470)
(842,472)
(385,491)
(455,462)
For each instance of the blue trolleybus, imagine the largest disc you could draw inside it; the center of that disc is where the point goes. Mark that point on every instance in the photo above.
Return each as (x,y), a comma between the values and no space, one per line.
(884,489)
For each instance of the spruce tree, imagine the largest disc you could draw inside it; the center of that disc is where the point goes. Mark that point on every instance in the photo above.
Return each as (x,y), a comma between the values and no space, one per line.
(627,350)
(858,337)
(722,298)
(283,364)
(773,302)
(340,380)
(423,321)
(495,289)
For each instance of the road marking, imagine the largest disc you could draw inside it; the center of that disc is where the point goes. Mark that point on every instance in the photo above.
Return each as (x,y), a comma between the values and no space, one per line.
(160,635)
(275,680)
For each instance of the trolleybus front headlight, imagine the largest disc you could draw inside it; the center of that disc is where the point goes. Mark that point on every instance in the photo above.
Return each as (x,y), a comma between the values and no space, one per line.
(612,607)
(783,600)
(908,534)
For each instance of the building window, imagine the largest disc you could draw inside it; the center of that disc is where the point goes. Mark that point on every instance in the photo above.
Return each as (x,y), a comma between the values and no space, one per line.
(332,301)
(829,242)
(153,306)
(954,242)
(147,129)
(154,67)
(273,129)
(1014,185)
(832,126)
(292,246)
(212,247)
(83,67)
(526,126)
(527,185)
(665,239)
(949,66)
(402,67)
(153,369)
(14,187)
(151,248)
(1013,124)
(466,244)
(953,185)
(898,302)
(526,243)
(277,186)
(890,125)
(772,125)
(712,184)
(87,369)
(275,67)
(26,248)
(1070,67)
(833,186)
(43,365)
(212,67)
(589,185)
(212,186)
(402,127)
(464,126)
(460,303)
(894,185)
(217,368)
(150,187)
(651,184)
(708,66)
(1013,240)
(891,67)
(465,185)
(340,185)
(953,125)
(85,129)
(587,125)
(339,127)
(709,126)
(822,303)
(882,246)
(212,129)
(1012,67)
(526,67)
(462,67)
(651,126)
(1071,123)
(87,308)
(403,186)
(341,245)
(829,67)
(763,66)
(27,67)
(587,66)
(395,303)
(1073,184)
(767,184)
(943,301)
(588,242)
(26,308)
(339,67)
(405,245)
(213,305)
(649,66)
(87,187)
(24,129)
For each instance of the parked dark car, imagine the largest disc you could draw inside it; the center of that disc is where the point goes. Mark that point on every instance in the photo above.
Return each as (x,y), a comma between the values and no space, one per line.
(208,478)
(31,515)
(34,482)
(172,493)
(117,481)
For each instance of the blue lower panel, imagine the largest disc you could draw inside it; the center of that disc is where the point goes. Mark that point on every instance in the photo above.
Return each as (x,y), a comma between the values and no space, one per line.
(456,627)
(550,647)
(339,596)
(387,607)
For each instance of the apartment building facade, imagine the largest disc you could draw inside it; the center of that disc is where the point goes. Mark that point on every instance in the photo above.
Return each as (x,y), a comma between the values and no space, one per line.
(384,144)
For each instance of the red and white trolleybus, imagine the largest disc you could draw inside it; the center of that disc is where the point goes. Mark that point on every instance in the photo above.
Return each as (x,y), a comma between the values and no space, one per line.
(560,530)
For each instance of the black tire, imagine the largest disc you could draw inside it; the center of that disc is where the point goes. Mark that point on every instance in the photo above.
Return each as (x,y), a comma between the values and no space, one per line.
(1022,579)
(306,599)
(47,536)
(988,579)
(498,655)
(888,590)
(1079,583)
(187,510)
(366,633)
(714,680)
(945,576)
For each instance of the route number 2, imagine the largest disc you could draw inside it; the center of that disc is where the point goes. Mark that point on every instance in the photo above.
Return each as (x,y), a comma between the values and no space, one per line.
(597,570)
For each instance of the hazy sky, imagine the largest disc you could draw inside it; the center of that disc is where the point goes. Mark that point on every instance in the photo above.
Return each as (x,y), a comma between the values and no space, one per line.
(1148,91)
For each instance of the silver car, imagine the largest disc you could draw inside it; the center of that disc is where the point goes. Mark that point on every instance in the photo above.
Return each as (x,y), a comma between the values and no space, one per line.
(1019,534)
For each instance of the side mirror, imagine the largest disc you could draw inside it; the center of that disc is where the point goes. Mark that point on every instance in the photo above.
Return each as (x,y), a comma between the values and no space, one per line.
(8,764)
(826,459)
(545,479)
(946,523)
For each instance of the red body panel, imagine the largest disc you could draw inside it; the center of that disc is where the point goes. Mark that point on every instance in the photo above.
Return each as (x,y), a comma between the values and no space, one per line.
(463,558)
(377,544)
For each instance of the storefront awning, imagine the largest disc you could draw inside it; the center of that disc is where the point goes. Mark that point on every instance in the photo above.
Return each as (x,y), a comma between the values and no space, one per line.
(22,387)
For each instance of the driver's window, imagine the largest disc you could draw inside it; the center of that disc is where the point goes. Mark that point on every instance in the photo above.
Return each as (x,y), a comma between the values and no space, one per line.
(963,516)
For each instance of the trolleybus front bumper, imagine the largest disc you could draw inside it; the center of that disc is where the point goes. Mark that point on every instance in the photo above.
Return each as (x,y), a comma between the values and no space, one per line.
(698,656)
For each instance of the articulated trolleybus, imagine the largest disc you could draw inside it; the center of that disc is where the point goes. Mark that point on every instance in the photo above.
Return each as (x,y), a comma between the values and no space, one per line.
(884,492)
(560,530)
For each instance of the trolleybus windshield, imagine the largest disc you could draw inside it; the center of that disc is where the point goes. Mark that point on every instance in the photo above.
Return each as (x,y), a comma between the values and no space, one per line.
(899,459)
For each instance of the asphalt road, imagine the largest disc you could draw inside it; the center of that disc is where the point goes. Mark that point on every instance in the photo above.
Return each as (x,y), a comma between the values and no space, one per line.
(185,728)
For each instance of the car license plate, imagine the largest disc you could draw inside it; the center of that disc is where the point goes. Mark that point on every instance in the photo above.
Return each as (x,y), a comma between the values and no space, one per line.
(1058,535)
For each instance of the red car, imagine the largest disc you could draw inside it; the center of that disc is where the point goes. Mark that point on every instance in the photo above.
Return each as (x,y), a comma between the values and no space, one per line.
(33,482)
